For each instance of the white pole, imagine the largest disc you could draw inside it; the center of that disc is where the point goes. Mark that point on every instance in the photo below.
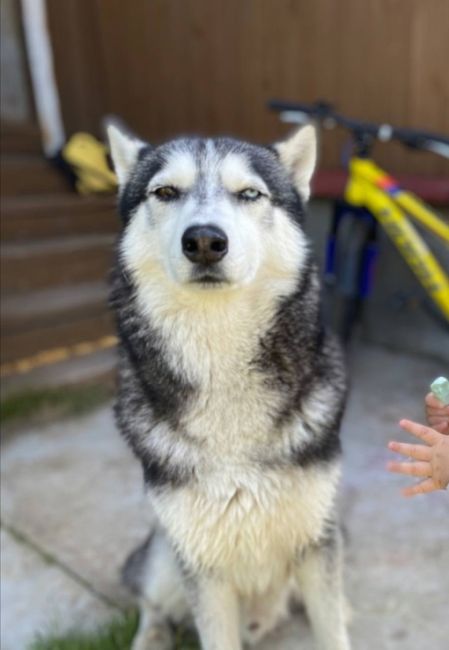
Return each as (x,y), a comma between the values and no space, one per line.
(40,60)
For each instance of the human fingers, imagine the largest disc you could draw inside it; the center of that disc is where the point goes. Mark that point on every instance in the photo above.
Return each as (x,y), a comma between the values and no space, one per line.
(430,436)
(444,413)
(418,452)
(440,462)
(435,408)
(434,403)
(420,488)
(439,423)
(410,469)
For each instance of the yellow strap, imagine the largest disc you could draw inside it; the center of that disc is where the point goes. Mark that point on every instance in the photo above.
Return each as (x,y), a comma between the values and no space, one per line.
(88,157)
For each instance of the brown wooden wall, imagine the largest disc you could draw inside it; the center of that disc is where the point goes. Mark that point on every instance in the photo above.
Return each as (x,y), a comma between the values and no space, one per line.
(208,66)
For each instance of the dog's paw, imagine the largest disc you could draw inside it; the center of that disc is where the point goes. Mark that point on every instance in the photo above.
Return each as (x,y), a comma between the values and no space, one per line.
(156,637)
(260,621)
(254,631)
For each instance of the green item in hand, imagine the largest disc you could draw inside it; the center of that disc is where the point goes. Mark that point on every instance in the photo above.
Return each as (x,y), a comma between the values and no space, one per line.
(440,388)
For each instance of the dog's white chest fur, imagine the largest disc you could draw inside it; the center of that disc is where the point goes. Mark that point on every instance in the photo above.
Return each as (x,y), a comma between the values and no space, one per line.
(240,515)
(248,522)
(215,348)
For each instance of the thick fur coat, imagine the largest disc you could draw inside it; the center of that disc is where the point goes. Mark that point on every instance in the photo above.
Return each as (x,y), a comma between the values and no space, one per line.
(231,391)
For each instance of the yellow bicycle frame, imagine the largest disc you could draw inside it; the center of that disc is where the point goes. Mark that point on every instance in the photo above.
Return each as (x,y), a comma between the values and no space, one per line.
(370,187)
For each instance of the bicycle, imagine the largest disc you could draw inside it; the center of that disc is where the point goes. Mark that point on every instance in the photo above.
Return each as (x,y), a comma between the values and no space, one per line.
(373,198)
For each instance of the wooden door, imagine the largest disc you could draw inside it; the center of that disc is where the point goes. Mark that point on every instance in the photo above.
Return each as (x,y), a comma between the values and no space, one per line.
(208,66)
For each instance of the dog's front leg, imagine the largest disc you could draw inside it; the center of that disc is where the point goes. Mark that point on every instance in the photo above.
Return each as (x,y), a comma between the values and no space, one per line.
(215,606)
(319,576)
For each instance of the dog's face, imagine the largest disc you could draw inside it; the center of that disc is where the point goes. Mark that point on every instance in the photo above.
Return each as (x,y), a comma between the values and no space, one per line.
(208,214)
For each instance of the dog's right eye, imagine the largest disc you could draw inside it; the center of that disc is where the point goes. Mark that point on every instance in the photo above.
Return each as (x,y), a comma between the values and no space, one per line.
(249,194)
(166,193)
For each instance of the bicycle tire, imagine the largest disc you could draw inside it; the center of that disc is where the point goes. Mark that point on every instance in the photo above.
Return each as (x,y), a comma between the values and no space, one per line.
(344,290)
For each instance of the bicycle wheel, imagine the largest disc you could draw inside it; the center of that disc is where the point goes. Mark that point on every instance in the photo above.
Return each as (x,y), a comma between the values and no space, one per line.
(350,259)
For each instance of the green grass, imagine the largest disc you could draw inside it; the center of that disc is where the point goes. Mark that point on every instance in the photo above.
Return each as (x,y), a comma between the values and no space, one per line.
(45,404)
(117,635)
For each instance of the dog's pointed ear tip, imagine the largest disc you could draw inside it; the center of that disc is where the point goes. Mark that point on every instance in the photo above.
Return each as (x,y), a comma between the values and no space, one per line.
(310,130)
(307,133)
(307,128)
(115,133)
(303,137)
(111,127)
(111,131)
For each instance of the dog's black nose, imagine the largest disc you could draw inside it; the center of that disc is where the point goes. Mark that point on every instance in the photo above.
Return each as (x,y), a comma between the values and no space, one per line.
(204,244)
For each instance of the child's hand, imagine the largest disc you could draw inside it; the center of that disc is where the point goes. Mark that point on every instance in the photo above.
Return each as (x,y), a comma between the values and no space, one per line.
(432,459)
(437,414)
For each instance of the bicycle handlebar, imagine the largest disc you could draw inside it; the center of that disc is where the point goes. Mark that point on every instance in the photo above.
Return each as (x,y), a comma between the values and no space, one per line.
(324,112)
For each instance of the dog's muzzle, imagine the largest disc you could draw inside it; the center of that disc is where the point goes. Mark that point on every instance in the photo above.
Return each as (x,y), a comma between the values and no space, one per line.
(205,245)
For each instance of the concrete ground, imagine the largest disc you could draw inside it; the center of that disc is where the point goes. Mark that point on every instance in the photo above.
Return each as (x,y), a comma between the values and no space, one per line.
(72,507)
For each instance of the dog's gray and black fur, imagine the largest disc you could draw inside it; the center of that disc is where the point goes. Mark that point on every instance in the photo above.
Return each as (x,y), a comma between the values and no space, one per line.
(230,390)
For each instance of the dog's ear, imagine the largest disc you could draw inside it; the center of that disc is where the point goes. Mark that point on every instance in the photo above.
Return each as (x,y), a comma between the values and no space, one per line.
(124,151)
(298,154)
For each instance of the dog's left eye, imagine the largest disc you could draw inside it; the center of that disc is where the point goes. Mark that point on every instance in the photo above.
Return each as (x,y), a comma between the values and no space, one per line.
(249,194)
(166,193)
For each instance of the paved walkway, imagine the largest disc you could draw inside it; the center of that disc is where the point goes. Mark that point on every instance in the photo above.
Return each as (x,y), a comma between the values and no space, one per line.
(72,507)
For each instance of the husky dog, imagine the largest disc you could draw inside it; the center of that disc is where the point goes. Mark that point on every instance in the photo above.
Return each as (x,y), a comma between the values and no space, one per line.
(230,391)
